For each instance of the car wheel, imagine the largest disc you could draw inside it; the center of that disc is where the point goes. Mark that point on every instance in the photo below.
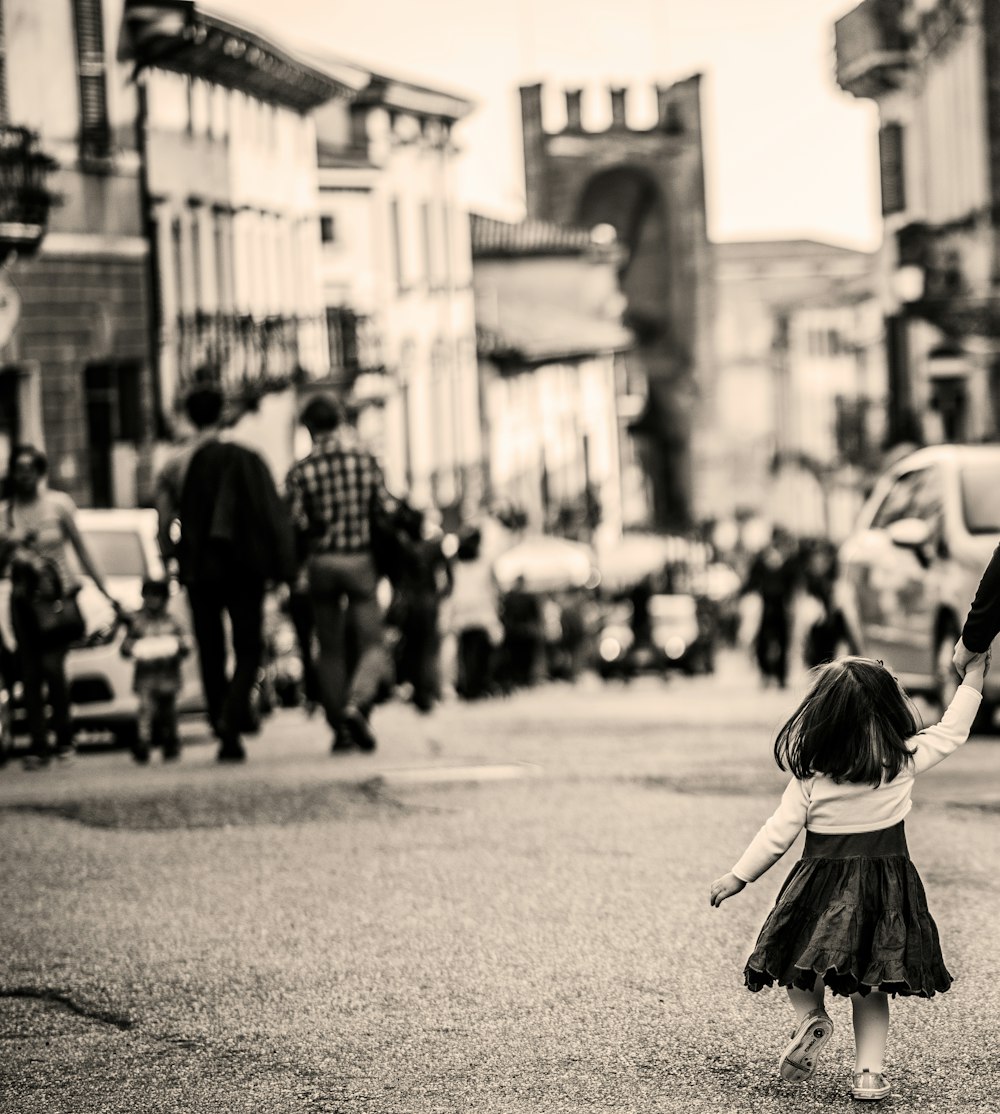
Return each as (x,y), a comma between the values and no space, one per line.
(126,734)
(6,729)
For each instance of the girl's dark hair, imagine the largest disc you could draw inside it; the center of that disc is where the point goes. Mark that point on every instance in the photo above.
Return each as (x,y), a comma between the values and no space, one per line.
(852,726)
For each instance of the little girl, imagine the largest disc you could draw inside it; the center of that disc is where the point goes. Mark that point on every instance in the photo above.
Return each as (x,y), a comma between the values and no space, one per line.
(852,914)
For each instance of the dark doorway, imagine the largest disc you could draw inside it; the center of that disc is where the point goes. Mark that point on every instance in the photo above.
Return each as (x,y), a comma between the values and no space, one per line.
(112,392)
(10,413)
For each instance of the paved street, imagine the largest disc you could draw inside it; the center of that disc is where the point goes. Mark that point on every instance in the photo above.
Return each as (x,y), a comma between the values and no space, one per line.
(503,909)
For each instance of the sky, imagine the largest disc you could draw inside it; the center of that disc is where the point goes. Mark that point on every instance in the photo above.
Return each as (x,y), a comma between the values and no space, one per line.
(787,153)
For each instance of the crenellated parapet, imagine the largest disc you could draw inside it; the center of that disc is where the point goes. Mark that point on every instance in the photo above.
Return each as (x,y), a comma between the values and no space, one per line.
(648,184)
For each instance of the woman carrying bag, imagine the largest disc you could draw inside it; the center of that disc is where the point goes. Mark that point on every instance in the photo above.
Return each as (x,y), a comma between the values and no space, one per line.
(36,524)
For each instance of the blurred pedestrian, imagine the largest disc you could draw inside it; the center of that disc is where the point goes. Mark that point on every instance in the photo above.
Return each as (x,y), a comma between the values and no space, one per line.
(235,539)
(37,527)
(335,494)
(157,645)
(852,915)
(829,630)
(573,627)
(524,634)
(425,580)
(773,577)
(472,617)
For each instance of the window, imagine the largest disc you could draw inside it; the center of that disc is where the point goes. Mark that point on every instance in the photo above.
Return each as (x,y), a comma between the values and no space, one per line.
(177,253)
(981,497)
(446,239)
(115,552)
(113,416)
(328,229)
(913,495)
(95,131)
(4,108)
(428,238)
(196,256)
(396,222)
(222,295)
(892,169)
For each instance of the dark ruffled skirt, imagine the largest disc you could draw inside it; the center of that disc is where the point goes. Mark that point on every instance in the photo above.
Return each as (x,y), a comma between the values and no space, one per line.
(853,911)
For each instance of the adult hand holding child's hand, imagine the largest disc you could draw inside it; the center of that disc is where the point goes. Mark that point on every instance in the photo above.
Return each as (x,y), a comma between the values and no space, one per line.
(726,886)
(961,657)
(976,670)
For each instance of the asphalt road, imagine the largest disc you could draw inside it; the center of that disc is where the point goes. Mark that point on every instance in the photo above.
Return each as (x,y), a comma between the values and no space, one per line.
(505,908)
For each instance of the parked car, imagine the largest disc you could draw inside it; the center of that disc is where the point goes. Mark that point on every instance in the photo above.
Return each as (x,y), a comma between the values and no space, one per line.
(681,637)
(123,543)
(910,569)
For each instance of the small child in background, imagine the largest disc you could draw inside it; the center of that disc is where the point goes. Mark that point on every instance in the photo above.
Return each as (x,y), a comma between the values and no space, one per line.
(157,645)
(852,916)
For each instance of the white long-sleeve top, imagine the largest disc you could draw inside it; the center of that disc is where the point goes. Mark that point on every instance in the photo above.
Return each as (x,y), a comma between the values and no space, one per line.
(823,805)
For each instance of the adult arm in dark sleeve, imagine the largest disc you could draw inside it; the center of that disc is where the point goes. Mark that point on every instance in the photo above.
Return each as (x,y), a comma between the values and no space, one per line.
(983,622)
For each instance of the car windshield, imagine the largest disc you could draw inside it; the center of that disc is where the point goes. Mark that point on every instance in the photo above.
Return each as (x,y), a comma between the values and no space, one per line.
(981,497)
(115,552)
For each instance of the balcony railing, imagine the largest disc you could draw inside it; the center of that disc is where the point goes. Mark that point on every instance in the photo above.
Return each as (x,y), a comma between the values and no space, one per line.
(25,197)
(873,47)
(355,344)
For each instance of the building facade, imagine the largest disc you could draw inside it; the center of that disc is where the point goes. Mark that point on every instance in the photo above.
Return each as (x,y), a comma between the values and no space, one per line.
(75,370)
(228,142)
(649,186)
(552,359)
(933,70)
(793,335)
(397,283)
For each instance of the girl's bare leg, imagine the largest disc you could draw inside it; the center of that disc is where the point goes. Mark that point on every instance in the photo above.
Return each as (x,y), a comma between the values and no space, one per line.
(871,1028)
(805,1001)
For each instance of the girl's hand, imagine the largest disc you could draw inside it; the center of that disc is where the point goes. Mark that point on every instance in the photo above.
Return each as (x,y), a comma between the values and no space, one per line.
(726,886)
(976,670)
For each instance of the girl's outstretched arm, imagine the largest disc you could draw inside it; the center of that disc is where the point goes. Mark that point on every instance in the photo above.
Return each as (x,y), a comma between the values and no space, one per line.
(935,743)
(777,833)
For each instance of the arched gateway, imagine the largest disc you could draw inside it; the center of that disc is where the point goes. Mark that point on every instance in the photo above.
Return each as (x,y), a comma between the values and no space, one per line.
(650,186)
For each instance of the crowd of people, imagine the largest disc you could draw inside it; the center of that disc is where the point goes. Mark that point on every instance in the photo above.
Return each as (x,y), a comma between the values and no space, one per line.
(325,546)
(328,544)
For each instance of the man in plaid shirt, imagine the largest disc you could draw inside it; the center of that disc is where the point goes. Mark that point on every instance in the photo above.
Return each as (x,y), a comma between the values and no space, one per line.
(332,494)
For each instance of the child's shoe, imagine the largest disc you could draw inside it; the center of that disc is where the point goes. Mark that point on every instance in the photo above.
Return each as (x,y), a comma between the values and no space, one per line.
(798,1061)
(870,1086)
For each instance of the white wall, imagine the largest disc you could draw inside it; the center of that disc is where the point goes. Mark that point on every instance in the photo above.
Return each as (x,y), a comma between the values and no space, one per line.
(426,322)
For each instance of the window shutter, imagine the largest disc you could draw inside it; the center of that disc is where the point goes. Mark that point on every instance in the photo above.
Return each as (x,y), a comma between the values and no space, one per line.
(95,132)
(4,107)
(890,152)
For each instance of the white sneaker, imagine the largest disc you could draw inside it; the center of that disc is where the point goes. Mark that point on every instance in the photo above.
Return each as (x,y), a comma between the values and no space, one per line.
(798,1061)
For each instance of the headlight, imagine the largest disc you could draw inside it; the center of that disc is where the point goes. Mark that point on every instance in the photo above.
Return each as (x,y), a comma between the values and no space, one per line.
(675,647)
(610,649)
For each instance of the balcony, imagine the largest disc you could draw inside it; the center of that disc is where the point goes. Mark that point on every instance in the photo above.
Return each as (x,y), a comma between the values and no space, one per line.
(355,345)
(873,48)
(25,198)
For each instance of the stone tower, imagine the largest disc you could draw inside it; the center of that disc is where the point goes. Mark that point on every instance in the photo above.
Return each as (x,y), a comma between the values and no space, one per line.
(650,185)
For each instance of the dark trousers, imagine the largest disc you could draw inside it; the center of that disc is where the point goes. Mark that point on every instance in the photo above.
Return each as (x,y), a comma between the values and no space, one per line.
(158,720)
(342,589)
(421,648)
(43,676)
(475,654)
(228,697)
(772,645)
(300,611)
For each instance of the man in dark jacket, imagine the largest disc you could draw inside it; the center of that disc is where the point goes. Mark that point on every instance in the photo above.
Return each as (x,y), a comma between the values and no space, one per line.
(235,538)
